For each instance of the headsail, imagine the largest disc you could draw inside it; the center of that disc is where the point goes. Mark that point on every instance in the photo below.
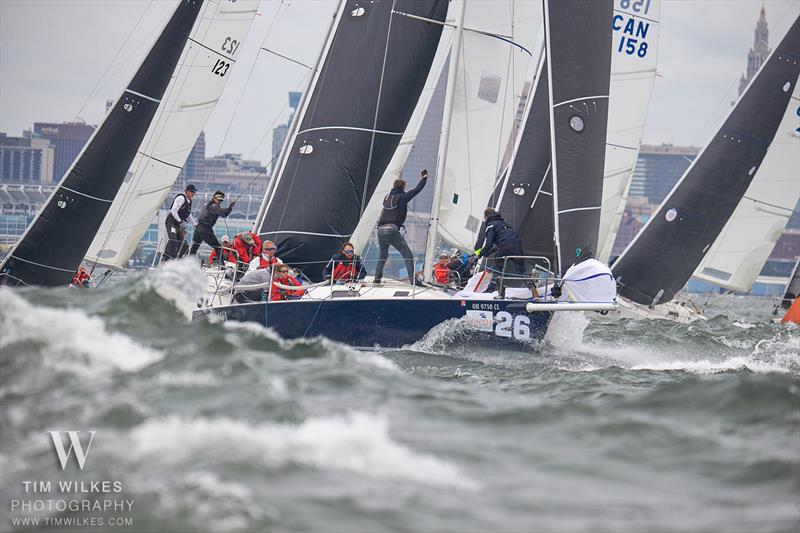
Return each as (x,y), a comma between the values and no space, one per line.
(350,127)
(662,257)
(203,70)
(52,247)
(739,253)
(578,51)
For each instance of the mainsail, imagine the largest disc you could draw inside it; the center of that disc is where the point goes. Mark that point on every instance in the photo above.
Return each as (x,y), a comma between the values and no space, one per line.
(578,51)
(739,253)
(203,70)
(634,59)
(51,249)
(360,104)
(662,257)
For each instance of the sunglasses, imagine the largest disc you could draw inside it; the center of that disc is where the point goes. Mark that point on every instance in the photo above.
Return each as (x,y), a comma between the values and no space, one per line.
(283,271)
(348,252)
(270,249)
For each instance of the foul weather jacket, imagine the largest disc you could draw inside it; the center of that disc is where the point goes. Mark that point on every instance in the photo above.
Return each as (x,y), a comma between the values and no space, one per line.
(395,204)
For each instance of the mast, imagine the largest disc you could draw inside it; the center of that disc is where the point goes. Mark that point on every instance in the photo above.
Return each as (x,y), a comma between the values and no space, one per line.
(52,247)
(662,257)
(301,111)
(455,56)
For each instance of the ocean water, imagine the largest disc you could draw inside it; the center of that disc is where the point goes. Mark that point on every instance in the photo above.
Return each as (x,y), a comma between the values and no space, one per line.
(609,426)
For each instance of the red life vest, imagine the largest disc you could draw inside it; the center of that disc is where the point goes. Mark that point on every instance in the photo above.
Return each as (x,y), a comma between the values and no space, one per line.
(247,251)
(81,276)
(227,255)
(344,271)
(276,293)
(441,273)
(263,262)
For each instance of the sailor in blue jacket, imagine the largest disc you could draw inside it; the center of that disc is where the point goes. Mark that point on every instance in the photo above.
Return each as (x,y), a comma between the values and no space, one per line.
(501,241)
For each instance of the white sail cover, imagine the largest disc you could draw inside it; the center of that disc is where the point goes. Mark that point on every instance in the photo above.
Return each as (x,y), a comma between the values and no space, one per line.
(203,70)
(369,219)
(739,253)
(490,79)
(588,281)
(634,59)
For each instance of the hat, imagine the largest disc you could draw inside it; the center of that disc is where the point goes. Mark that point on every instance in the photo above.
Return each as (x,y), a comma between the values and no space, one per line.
(219,194)
(226,238)
(248,238)
(190,188)
(445,256)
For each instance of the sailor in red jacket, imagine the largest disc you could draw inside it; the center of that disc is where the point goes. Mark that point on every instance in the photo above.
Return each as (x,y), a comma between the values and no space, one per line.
(248,246)
(228,255)
(441,270)
(267,258)
(282,277)
(345,265)
(81,277)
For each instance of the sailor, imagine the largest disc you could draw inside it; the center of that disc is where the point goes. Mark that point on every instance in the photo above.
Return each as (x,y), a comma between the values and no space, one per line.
(228,255)
(460,267)
(267,258)
(179,214)
(393,216)
(441,270)
(81,277)
(248,246)
(501,241)
(345,265)
(284,278)
(205,227)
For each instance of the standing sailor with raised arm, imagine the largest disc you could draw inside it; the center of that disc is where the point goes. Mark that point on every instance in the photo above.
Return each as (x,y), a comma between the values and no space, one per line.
(205,227)
(179,214)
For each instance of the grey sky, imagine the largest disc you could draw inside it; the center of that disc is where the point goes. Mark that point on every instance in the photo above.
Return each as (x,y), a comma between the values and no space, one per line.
(53,52)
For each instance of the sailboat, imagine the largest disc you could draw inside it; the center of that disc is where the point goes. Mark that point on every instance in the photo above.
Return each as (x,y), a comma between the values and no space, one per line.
(138,148)
(657,263)
(790,302)
(396,314)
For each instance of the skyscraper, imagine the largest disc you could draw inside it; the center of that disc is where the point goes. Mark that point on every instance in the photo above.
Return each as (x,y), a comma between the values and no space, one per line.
(67,139)
(759,52)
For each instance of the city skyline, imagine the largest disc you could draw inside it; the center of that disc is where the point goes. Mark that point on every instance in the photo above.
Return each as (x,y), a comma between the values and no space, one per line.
(701,61)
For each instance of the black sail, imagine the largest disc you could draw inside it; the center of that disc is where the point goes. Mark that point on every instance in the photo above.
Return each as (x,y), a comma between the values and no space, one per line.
(54,245)
(369,84)
(527,196)
(792,288)
(578,51)
(662,257)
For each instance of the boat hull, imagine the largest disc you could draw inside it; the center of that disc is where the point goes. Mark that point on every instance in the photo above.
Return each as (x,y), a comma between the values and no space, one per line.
(368,323)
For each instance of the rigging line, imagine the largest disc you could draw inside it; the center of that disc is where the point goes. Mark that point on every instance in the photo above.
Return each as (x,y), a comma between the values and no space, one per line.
(466,129)
(296,62)
(377,110)
(782,208)
(92,94)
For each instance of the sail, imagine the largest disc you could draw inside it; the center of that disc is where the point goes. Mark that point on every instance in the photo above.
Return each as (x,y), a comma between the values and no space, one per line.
(363,98)
(634,59)
(578,50)
(203,70)
(423,115)
(792,291)
(52,247)
(662,257)
(493,66)
(739,253)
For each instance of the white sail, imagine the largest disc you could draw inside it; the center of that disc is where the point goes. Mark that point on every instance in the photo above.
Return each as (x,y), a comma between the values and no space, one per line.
(739,253)
(492,69)
(369,219)
(203,70)
(632,79)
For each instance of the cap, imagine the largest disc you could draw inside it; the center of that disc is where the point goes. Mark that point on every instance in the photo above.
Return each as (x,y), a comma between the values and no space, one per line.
(219,194)
(248,238)
(225,238)
(190,188)
(443,256)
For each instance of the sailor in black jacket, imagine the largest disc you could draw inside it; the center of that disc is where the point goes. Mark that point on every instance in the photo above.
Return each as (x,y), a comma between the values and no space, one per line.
(179,214)
(393,216)
(501,241)
(205,226)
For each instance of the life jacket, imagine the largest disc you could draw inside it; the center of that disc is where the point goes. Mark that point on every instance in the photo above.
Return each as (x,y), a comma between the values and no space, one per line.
(441,273)
(394,212)
(344,270)
(227,256)
(276,293)
(263,262)
(81,277)
(185,210)
(247,251)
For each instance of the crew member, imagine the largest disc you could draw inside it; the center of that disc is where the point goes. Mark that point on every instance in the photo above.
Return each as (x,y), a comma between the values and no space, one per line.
(345,265)
(283,278)
(501,241)
(267,258)
(81,277)
(208,217)
(248,246)
(228,255)
(393,216)
(441,270)
(179,214)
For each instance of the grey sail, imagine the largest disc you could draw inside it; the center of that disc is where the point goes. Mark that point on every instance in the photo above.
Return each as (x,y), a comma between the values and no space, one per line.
(369,84)
(53,246)
(578,51)
(662,257)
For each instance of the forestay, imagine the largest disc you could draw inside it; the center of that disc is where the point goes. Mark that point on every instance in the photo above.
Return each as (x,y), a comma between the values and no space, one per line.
(634,59)
(361,102)
(51,249)
(662,257)
(739,253)
(204,68)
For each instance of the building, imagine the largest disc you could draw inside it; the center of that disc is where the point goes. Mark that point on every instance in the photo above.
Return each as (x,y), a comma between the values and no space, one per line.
(232,174)
(26,160)
(67,139)
(280,132)
(194,169)
(758,53)
(658,168)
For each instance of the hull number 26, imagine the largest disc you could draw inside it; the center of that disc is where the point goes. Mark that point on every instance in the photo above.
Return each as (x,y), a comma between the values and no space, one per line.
(508,325)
